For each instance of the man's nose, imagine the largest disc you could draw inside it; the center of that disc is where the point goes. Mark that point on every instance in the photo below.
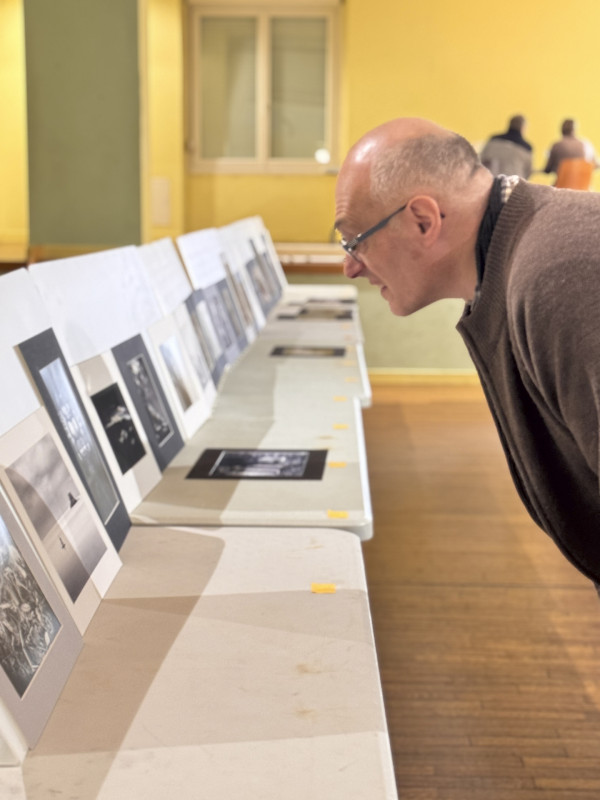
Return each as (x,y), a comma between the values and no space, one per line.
(352,267)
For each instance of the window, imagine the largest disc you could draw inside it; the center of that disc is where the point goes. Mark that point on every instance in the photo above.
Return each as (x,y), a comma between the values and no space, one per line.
(262,90)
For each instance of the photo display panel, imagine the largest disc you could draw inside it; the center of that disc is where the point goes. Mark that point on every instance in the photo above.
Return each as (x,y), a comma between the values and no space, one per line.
(147,394)
(40,642)
(166,273)
(48,368)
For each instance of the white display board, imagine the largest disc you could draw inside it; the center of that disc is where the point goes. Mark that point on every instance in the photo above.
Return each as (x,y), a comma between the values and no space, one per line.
(96,301)
(22,315)
(166,273)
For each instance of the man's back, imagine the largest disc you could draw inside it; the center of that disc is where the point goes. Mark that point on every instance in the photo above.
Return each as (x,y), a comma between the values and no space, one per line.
(503,157)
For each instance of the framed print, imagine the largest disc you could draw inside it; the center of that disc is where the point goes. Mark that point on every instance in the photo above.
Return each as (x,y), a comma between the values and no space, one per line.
(43,486)
(118,427)
(39,642)
(232,464)
(51,375)
(147,394)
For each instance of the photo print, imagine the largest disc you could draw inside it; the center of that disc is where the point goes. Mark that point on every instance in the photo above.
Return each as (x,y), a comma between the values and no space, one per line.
(60,518)
(207,335)
(232,312)
(266,297)
(149,399)
(308,351)
(39,641)
(234,464)
(49,370)
(240,292)
(119,427)
(193,346)
(171,353)
(267,269)
(28,625)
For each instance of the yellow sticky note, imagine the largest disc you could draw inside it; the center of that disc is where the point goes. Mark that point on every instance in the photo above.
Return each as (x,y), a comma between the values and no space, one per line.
(337,514)
(340,398)
(340,426)
(349,363)
(323,588)
(336,464)
(351,379)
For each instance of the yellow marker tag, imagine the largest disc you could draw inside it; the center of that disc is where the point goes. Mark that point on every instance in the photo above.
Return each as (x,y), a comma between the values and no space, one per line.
(337,514)
(351,379)
(340,426)
(336,464)
(340,398)
(323,588)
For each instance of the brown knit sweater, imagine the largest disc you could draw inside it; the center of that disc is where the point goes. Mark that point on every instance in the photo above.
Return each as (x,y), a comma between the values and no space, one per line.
(534,336)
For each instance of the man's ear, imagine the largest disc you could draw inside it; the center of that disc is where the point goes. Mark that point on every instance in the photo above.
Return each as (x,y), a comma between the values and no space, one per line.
(427,218)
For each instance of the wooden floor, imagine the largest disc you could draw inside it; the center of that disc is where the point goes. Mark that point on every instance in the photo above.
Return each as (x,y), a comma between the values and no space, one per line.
(488,639)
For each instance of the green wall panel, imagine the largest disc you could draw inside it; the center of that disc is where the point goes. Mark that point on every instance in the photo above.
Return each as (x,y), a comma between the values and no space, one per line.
(83,110)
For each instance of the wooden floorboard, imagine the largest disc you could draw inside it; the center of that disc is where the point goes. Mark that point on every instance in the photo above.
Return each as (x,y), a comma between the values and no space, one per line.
(488,639)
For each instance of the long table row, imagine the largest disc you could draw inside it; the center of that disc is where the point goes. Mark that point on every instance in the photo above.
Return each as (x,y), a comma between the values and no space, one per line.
(183,495)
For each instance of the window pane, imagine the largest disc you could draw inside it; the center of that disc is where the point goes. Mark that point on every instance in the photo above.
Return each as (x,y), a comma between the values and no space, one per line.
(228,87)
(298,66)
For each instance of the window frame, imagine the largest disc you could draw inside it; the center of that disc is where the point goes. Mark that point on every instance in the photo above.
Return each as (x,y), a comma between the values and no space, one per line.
(262,163)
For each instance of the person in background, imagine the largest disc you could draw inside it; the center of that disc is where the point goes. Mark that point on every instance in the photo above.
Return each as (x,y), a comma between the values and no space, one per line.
(509,153)
(569,147)
(422,219)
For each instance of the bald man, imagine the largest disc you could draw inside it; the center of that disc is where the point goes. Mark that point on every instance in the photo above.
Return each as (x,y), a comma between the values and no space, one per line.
(422,219)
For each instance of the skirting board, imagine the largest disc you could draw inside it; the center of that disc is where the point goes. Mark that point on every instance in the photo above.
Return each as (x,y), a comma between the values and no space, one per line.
(396,377)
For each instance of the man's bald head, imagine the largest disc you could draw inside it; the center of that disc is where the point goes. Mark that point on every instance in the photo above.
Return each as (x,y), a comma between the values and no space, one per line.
(407,155)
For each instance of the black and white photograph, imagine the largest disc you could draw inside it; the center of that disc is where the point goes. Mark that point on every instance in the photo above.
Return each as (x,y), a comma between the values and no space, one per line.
(265,295)
(234,464)
(268,270)
(240,292)
(196,321)
(219,317)
(83,443)
(171,353)
(149,398)
(119,427)
(308,351)
(193,347)
(231,309)
(43,355)
(39,641)
(60,518)
(207,326)
(147,390)
(28,625)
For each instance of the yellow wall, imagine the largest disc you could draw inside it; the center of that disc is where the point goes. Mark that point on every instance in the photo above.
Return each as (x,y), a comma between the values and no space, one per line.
(472,67)
(13,136)
(163,119)
(468,68)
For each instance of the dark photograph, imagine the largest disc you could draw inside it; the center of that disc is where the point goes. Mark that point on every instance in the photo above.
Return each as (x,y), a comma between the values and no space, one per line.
(28,625)
(308,351)
(119,427)
(149,399)
(61,519)
(260,464)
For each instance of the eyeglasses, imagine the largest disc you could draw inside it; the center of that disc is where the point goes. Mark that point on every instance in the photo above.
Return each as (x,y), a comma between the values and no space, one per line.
(351,246)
